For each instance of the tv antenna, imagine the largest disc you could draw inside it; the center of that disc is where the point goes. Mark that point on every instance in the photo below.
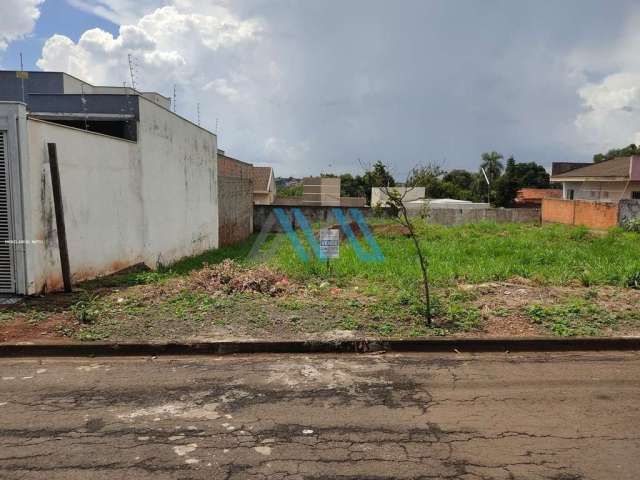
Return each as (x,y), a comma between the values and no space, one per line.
(132,71)
(174,98)
(198,108)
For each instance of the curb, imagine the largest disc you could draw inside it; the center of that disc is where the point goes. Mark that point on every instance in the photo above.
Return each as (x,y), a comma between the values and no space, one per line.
(442,345)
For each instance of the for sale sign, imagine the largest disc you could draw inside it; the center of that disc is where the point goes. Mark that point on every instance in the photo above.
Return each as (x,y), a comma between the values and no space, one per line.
(330,242)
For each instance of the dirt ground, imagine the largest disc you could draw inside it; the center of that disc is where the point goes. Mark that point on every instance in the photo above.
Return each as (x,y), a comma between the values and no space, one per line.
(227,301)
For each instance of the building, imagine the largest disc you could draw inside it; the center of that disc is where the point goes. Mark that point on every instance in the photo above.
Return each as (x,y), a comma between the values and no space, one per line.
(609,181)
(411,194)
(596,195)
(235,199)
(321,191)
(139,183)
(264,186)
(532,197)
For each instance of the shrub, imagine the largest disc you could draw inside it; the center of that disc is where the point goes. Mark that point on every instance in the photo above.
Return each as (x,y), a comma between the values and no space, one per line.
(633,225)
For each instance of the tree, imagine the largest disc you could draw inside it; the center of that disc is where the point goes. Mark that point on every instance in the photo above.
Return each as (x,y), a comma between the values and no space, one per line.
(460,178)
(294,190)
(627,151)
(517,176)
(395,202)
(378,176)
(428,176)
(492,165)
(352,186)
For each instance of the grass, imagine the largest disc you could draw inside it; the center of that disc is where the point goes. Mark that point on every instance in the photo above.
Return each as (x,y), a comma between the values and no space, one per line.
(576,317)
(551,254)
(380,298)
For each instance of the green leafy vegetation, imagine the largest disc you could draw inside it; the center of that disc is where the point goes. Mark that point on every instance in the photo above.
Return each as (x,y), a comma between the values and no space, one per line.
(577,317)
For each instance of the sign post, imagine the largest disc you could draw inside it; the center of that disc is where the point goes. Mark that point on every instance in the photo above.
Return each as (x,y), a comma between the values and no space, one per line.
(330,244)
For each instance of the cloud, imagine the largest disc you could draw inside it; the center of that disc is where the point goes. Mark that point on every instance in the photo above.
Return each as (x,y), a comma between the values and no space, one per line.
(168,46)
(119,11)
(611,104)
(296,85)
(17,20)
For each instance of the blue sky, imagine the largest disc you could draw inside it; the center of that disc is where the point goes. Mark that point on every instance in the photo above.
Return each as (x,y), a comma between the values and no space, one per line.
(294,85)
(56,16)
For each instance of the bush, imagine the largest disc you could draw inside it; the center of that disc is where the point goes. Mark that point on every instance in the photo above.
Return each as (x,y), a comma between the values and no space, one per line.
(633,280)
(633,225)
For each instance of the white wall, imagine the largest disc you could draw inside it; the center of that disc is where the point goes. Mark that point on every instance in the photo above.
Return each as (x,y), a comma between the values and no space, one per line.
(412,193)
(600,191)
(154,201)
(180,185)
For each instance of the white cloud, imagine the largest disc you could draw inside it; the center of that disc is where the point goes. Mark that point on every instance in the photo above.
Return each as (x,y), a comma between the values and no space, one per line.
(17,20)
(119,11)
(611,114)
(168,45)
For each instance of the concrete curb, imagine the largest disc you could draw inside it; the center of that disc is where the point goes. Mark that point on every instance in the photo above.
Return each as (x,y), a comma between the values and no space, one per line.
(525,344)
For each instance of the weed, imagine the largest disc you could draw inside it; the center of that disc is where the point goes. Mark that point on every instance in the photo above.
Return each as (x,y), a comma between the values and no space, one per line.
(576,317)
(291,305)
(87,309)
(349,323)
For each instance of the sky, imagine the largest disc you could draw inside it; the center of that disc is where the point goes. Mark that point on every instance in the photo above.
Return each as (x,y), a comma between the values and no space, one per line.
(335,85)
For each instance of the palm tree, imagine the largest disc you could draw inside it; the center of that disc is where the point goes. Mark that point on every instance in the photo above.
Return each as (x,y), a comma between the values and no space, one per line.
(492,165)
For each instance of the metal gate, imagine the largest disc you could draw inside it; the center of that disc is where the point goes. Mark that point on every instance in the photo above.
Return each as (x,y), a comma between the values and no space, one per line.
(7,267)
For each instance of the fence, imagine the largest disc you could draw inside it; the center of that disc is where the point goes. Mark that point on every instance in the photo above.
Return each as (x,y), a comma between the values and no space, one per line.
(597,215)
(235,206)
(442,216)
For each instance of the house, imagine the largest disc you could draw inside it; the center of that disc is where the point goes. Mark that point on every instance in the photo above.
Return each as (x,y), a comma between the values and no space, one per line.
(264,185)
(139,183)
(532,197)
(411,194)
(235,199)
(609,181)
(321,191)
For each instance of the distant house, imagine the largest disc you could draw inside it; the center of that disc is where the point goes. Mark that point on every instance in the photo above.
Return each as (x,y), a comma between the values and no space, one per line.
(532,197)
(321,191)
(264,186)
(609,181)
(378,197)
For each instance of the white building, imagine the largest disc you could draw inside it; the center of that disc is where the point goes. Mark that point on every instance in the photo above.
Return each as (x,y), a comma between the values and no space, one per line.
(139,183)
(609,181)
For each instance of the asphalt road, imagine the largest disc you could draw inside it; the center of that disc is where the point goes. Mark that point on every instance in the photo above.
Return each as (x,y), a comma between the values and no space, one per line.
(492,416)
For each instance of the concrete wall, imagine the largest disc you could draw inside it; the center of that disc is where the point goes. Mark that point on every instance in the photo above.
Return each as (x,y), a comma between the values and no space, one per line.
(235,203)
(598,215)
(448,217)
(154,201)
(460,216)
(628,210)
(180,185)
(296,201)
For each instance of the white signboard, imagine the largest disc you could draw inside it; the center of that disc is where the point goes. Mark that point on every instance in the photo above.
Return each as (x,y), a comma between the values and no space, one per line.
(330,242)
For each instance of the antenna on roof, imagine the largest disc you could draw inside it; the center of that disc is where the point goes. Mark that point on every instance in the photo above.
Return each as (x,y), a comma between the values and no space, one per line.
(198,107)
(216,125)
(174,98)
(132,72)
(22,75)
(84,107)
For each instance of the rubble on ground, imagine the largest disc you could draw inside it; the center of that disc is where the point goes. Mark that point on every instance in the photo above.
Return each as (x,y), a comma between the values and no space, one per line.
(230,277)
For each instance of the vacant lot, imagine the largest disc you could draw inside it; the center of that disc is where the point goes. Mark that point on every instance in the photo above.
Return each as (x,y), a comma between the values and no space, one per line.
(489,280)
